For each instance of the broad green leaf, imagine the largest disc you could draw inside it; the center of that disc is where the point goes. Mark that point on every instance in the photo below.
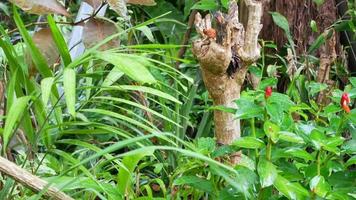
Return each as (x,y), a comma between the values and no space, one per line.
(315,87)
(249,143)
(271,130)
(195,182)
(290,190)
(319,186)
(125,177)
(280,21)
(353,81)
(300,153)
(267,172)
(69,84)
(46,88)
(13,118)
(206,145)
(290,137)
(132,66)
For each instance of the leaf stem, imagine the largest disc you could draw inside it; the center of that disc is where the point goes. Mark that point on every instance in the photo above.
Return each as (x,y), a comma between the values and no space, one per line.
(318,162)
(269,150)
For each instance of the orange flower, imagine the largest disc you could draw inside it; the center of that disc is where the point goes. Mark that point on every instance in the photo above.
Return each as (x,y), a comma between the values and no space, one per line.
(344,102)
(210,32)
(268,92)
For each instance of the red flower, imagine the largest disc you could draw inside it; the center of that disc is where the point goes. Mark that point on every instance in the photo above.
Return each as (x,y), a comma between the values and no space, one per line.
(268,92)
(344,102)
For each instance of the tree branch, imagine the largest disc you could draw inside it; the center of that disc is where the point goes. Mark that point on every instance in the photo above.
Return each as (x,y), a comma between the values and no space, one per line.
(30,181)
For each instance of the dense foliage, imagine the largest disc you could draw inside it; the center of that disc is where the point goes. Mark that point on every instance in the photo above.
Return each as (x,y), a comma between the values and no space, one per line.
(129,119)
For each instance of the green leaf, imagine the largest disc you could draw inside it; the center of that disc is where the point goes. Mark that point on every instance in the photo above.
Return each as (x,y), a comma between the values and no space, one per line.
(290,190)
(249,143)
(315,87)
(246,108)
(353,81)
(271,130)
(114,75)
(46,88)
(319,2)
(132,65)
(147,32)
(69,84)
(195,182)
(280,21)
(299,153)
(205,5)
(313,26)
(59,40)
(206,145)
(125,177)
(290,137)
(316,44)
(319,186)
(36,56)
(146,90)
(14,116)
(267,172)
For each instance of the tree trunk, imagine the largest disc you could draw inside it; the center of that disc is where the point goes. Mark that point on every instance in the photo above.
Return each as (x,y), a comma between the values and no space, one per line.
(230,45)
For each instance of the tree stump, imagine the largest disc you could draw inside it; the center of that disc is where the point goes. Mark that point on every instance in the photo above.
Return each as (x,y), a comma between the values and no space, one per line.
(224,53)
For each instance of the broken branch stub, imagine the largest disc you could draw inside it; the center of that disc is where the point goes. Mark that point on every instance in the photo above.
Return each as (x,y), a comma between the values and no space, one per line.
(234,47)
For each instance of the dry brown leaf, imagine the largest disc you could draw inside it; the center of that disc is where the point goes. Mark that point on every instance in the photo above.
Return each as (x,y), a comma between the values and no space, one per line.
(94,3)
(41,7)
(96,30)
(119,6)
(142,2)
(44,42)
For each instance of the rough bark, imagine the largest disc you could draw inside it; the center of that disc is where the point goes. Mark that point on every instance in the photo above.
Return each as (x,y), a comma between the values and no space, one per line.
(215,55)
(27,179)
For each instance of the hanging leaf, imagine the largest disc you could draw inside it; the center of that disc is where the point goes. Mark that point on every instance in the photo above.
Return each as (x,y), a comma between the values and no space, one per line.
(96,30)
(41,7)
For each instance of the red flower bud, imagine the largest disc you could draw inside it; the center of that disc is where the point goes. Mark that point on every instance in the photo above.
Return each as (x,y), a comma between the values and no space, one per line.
(210,32)
(268,92)
(344,102)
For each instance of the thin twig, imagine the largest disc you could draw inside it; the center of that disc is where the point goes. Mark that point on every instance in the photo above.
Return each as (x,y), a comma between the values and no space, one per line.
(186,38)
